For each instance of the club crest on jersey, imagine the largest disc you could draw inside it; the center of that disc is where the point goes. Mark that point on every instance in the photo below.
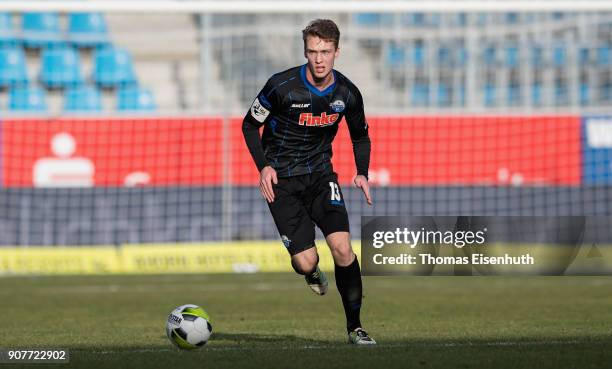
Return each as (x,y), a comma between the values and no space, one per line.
(322,120)
(337,106)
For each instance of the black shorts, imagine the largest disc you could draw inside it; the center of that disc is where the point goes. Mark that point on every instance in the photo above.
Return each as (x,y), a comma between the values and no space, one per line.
(302,201)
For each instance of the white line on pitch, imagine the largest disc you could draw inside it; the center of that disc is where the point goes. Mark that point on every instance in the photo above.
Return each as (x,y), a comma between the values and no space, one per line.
(335,347)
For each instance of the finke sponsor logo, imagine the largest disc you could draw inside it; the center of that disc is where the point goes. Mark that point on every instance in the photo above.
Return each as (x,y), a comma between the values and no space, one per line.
(300,105)
(309,120)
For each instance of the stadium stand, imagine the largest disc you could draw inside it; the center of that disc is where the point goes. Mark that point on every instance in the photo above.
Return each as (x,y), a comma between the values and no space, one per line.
(170,63)
(49,52)
(501,54)
(417,60)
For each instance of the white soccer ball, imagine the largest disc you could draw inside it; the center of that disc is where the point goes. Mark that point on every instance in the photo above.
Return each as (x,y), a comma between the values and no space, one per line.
(188,327)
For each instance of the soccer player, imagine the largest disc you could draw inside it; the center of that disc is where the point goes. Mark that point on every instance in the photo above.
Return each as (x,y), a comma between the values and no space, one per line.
(300,110)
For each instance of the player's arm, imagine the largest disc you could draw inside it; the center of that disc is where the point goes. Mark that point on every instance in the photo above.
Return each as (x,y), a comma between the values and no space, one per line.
(358,129)
(259,114)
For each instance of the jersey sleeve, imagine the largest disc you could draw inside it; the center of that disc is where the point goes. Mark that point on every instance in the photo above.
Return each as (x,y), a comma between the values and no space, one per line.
(261,111)
(358,129)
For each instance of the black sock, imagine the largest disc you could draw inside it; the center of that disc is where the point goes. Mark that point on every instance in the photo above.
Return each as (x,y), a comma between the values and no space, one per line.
(348,281)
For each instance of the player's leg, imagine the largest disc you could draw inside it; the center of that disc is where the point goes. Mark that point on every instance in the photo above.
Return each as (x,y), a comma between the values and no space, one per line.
(329,213)
(297,232)
(348,281)
(307,263)
(348,277)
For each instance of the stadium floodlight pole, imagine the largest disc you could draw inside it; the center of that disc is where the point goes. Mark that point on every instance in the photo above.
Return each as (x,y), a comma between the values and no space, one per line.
(300,6)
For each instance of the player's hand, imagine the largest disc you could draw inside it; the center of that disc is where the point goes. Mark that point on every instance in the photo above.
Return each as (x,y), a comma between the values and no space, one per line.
(266,178)
(362,182)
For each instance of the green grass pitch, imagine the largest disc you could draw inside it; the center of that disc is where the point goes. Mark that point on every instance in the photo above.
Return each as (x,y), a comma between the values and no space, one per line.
(274,321)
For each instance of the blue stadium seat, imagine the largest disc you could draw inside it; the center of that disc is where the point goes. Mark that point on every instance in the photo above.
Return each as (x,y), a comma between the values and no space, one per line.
(462,19)
(113,68)
(513,94)
(490,93)
(420,94)
(536,94)
(12,67)
(444,95)
(7,31)
(87,30)
(28,99)
(512,18)
(61,67)
(396,55)
(374,19)
(559,56)
(489,56)
(561,94)
(368,19)
(461,98)
(41,30)
(537,56)
(529,17)
(558,15)
(606,92)
(584,94)
(482,19)
(444,57)
(135,99)
(462,56)
(434,20)
(83,99)
(418,55)
(512,57)
(603,55)
(583,57)
(415,19)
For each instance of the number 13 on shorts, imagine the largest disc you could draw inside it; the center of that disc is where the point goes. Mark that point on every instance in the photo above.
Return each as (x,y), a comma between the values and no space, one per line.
(335,196)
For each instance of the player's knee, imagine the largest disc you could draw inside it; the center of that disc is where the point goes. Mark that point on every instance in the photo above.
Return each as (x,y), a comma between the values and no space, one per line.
(343,255)
(303,267)
(304,264)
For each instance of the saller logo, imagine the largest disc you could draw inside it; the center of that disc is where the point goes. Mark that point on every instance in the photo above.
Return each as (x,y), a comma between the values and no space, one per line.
(323,120)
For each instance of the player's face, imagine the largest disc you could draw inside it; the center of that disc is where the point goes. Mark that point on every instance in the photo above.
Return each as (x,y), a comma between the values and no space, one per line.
(321,55)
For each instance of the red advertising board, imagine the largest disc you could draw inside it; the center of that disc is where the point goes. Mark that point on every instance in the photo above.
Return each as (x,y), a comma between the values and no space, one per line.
(141,151)
(455,150)
(428,150)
